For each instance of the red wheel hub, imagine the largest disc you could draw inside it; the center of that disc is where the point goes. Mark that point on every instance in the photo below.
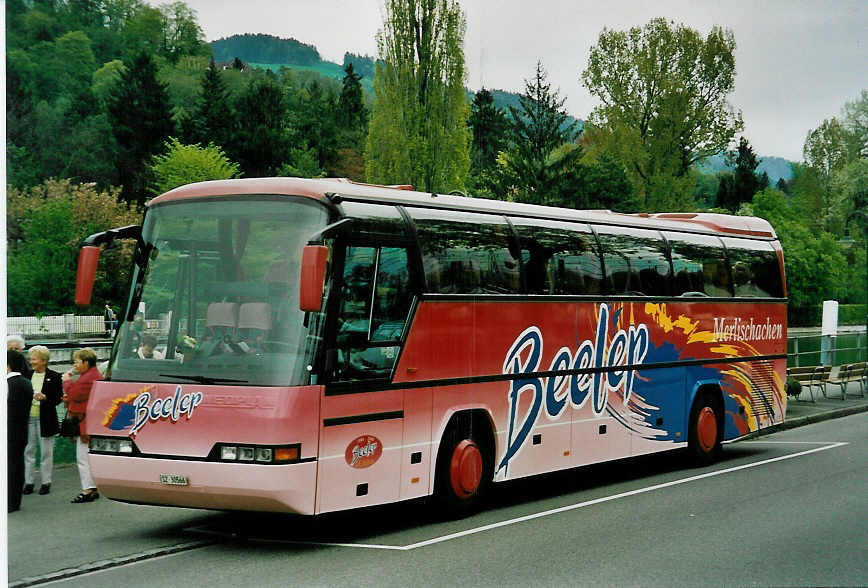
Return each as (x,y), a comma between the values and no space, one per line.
(465,469)
(706,429)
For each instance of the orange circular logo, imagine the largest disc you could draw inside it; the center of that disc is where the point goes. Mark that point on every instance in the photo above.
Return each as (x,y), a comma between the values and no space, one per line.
(363,452)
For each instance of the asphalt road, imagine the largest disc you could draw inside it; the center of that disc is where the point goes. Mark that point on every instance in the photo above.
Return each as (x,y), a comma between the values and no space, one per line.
(788,509)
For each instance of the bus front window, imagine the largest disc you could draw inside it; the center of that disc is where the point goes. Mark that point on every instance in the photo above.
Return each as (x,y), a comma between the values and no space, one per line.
(217,294)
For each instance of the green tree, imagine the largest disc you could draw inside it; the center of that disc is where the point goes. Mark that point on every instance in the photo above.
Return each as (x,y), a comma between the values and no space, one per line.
(489,125)
(316,123)
(185,164)
(75,61)
(262,143)
(418,130)
(143,31)
(538,130)
(855,119)
(141,122)
(182,34)
(47,225)
(105,79)
(663,91)
(740,185)
(816,266)
(351,106)
(603,184)
(213,118)
(827,149)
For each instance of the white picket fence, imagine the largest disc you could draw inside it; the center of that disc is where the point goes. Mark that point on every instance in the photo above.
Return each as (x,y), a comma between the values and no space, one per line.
(55,326)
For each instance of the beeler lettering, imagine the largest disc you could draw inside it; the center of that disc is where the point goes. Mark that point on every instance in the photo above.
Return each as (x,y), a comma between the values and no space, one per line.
(625,347)
(170,407)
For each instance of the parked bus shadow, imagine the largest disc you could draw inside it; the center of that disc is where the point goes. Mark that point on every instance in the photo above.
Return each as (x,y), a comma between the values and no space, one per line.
(371,525)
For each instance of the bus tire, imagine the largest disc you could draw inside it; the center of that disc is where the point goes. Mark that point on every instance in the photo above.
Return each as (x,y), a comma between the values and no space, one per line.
(464,466)
(705,431)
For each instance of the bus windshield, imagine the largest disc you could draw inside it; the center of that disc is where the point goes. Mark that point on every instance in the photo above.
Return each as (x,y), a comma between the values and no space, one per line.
(215,294)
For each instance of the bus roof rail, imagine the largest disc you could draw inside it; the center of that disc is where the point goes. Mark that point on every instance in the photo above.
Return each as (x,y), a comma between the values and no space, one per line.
(408,187)
(724,223)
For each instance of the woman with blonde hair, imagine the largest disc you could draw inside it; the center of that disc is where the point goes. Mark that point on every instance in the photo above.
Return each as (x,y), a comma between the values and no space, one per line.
(76,394)
(47,392)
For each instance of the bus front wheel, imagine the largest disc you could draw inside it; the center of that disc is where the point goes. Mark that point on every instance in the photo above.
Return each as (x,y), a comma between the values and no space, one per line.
(464,464)
(706,429)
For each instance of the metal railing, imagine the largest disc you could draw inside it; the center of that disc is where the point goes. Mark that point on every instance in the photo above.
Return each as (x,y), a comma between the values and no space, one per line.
(63,325)
(806,350)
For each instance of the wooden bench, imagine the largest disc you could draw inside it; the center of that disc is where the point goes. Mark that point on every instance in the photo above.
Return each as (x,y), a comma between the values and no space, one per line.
(810,376)
(843,375)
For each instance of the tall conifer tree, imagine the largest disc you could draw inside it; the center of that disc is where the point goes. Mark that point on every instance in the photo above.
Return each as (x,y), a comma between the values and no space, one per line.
(489,125)
(538,157)
(213,120)
(350,104)
(141,121)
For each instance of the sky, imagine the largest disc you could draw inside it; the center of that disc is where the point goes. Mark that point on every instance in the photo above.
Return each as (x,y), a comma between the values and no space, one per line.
(797,61)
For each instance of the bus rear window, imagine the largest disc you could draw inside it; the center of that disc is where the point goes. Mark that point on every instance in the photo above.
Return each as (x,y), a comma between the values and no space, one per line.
(755,269)
(699,265)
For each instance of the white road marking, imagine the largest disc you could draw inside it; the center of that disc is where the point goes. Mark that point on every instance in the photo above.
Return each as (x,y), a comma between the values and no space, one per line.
(554,511)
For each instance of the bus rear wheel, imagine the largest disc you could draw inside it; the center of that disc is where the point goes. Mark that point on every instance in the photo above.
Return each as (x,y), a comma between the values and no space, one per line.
(706,430)
(464,464)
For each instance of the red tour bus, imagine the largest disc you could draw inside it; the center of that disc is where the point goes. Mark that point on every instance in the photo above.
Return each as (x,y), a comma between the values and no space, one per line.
(326,345)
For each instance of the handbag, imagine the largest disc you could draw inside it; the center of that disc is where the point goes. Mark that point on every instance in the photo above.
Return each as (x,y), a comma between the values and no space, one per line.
(69,426)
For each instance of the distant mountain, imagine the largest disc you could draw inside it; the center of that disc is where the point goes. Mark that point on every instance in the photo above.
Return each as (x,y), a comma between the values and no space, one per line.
(775,167)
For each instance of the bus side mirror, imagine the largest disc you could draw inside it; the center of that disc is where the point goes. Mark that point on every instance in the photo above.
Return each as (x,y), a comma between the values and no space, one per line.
(314,259)
(88,259)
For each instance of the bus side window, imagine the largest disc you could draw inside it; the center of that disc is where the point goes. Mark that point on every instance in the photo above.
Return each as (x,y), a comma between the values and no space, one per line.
(559,258)
(636,261)
(466,253)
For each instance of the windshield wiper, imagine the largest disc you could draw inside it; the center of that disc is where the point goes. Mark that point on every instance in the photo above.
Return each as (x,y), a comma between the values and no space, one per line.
(203,379)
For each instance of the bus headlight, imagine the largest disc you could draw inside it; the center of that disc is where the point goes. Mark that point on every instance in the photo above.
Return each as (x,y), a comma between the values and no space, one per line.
(113,445)
(277,454)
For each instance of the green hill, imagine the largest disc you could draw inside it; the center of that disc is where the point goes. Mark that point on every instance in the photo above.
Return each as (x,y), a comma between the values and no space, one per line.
(258,48)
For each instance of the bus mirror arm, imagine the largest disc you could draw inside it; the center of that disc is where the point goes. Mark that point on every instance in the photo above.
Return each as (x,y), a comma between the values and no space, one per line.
(88,259)
(107,237)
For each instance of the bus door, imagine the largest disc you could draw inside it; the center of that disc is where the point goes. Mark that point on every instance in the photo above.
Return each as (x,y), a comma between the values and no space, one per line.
(363,419)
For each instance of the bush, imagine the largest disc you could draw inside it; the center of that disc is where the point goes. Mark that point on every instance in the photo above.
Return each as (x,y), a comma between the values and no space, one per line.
(794,387)
(812,316)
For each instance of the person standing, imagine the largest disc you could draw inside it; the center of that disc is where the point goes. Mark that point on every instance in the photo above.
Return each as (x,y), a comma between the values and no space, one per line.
(76,394)
(16,343)
(17,414)
(109,319)
(47,392)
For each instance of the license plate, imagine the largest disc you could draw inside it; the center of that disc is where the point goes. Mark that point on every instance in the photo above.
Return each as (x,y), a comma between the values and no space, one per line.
(174,480)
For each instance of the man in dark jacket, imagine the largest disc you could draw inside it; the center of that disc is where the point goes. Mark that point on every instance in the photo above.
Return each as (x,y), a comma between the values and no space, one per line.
(18,414)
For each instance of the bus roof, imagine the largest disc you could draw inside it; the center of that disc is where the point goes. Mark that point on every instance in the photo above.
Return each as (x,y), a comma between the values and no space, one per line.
(337,189)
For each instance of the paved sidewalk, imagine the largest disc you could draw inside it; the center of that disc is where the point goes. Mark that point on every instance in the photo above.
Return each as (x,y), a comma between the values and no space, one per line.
(803,411)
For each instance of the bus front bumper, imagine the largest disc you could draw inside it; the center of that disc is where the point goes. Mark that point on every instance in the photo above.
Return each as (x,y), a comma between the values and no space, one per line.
(214,485)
